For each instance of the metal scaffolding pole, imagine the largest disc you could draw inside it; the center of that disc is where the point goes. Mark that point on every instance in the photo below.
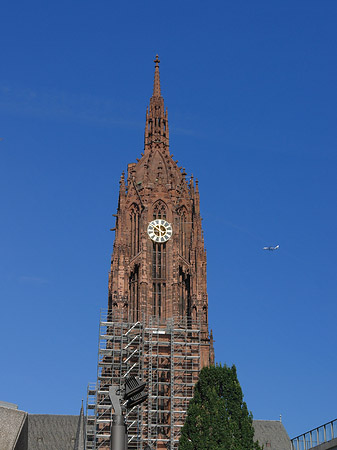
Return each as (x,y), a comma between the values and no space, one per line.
(166,355)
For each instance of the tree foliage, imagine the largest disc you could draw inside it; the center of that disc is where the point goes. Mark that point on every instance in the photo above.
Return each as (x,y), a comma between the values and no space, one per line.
(217,416)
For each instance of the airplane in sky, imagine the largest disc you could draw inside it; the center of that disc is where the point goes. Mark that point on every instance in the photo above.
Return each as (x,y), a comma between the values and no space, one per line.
(271,248)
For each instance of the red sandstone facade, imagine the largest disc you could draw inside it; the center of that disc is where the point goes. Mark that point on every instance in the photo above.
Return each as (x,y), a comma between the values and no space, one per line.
(167,279)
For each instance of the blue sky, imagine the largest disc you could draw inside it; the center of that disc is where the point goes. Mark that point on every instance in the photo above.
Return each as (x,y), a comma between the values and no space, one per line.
(251,93)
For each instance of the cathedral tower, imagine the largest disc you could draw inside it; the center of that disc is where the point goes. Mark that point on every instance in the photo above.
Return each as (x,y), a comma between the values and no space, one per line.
(157,320)
(158,263)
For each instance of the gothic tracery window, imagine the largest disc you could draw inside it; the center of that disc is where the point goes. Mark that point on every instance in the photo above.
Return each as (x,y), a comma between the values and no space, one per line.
(159,210)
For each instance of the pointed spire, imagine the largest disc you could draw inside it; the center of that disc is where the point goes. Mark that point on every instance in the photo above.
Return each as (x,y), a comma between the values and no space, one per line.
(156,127)
(156,83)
(192,185)
(122,185)
(197,198)
(197,186)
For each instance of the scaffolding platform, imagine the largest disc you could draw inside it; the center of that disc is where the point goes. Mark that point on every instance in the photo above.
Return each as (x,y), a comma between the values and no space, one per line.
(166,355)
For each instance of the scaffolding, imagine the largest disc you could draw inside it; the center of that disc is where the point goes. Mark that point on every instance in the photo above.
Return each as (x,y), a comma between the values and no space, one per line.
(165,354)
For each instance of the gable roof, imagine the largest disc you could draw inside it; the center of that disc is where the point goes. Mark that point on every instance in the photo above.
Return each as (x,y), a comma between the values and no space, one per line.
(12,423)
(52,432)
(271,434)
(66,432)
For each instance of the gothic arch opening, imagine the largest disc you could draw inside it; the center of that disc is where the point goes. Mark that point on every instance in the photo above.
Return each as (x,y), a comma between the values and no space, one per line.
(159,210)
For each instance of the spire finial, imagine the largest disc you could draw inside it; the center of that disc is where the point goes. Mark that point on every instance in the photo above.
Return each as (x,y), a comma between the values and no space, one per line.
(156,126)
(156,84)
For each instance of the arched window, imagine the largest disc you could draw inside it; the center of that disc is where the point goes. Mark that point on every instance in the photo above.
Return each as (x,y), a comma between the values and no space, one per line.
(134,229)
(159,210)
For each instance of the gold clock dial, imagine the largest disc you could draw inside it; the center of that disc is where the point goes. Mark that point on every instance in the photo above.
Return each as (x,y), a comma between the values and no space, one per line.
(159,230)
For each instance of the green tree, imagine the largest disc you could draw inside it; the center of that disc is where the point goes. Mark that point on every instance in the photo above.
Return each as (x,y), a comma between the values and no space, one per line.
(217,416)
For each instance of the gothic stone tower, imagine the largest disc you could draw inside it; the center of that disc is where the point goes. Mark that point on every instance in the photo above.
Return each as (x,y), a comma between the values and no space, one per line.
(157,321)
(159,269)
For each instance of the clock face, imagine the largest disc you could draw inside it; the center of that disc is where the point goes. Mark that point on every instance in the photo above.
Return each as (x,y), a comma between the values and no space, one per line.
(159,230)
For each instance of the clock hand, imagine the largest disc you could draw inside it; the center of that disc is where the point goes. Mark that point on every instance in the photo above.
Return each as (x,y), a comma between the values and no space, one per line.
(156,227)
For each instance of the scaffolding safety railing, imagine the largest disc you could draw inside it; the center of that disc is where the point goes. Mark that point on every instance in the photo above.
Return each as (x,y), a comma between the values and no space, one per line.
(165,354)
